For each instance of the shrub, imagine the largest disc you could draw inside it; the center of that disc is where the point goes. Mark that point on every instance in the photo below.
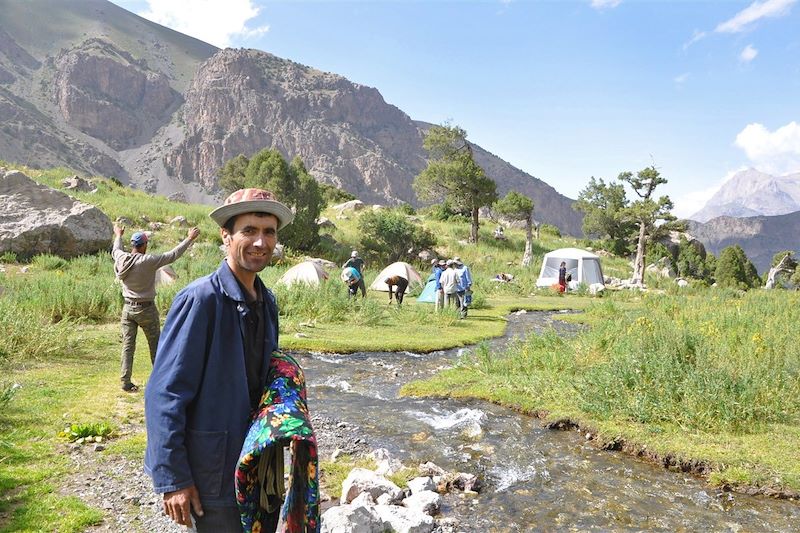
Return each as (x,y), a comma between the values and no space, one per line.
(389,235)
(549,229)
(89,432)
(7,391)
(25,336)
(8,257)
(49,262)
(735,270)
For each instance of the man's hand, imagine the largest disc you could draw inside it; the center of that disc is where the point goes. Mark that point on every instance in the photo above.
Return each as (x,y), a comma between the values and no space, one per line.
(193,233)
(178,505)
(119,230)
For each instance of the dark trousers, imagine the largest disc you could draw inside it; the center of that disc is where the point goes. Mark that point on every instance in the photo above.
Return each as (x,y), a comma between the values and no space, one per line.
(227,520)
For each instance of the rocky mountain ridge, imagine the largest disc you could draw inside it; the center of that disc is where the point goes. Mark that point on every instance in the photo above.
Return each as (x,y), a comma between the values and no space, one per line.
(761,237)
(751,193)
(103,91)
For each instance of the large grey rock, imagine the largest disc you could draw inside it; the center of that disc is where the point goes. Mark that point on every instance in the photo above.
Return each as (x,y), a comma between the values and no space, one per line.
(352,519)
(420,484)
(426,501)
(404,520)
(77,183)
(35,219)
(352,205)
(361,480)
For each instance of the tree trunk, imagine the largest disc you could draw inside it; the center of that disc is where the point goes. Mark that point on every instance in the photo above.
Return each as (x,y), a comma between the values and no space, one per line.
(783,266)
(527,257)
(638,263)
(473,236)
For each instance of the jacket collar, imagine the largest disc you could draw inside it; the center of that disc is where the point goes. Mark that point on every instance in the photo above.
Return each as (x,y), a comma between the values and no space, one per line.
(231,287)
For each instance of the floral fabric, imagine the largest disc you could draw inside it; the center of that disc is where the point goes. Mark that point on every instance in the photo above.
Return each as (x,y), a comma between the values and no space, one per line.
(281,418)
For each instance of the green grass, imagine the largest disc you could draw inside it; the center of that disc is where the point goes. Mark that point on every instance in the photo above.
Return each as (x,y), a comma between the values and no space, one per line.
(712,378)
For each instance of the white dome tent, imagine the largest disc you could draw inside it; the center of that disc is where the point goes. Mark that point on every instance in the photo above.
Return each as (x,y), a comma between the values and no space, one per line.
(582,265)
(399,268)
(307,272)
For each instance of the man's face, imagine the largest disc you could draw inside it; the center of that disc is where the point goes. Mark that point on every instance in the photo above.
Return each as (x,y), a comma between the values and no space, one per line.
(251,244)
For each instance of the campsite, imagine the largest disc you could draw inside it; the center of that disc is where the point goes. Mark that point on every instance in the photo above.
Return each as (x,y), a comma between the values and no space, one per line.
(557,371)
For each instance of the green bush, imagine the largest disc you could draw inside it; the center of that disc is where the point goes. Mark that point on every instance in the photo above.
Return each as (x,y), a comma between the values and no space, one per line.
(388,235)
(8,257)
(735,270)
(24,335)
(49,262)
(88,432)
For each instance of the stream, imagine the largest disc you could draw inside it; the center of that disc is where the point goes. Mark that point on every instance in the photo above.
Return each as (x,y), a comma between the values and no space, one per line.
(534,479)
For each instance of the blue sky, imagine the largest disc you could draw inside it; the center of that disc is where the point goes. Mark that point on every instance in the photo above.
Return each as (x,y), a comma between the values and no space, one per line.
(563,90)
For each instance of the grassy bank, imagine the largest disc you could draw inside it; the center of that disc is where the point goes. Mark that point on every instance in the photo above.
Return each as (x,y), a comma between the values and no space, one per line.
(711,380)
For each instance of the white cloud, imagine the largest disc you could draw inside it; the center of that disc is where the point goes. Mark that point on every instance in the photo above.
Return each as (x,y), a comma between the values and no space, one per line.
(218,22)
(605,4)
(695,37)
(681,78)
(754,12)
(775,152)
(748,54)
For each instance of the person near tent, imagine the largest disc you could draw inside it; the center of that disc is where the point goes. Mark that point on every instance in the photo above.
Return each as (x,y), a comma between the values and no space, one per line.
(356,262)
(212,368)
(438,268)
(400,284)
(451,285)
(352,278)
(465,282)
(562,277)
(137,271)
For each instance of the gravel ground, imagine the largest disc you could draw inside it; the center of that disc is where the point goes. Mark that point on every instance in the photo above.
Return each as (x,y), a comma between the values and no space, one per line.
(123,491)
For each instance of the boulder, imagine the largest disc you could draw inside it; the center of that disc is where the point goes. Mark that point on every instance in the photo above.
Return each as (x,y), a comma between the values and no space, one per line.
(352,519)
(277,253)
(177,197)
(362,480)
(426,255)
(404,520)
(663,268)
(179,221)
(426,501)
(76,183)
(324,222)
(352,205)
(37,219)
(672,240)
(420,484)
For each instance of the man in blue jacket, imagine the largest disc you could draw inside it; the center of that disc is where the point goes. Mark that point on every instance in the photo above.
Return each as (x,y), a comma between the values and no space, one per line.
(211,367)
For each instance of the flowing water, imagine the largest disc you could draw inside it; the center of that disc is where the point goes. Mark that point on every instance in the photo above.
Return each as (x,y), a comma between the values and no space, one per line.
(534,479)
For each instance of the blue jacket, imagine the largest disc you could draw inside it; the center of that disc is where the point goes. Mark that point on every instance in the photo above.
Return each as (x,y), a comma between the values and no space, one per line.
(437,273)
(464,277)
(197,407)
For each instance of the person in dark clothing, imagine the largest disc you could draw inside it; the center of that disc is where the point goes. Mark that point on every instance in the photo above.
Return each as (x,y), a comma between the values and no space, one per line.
(356,262)
(562,277)
(210,370)
(400,283)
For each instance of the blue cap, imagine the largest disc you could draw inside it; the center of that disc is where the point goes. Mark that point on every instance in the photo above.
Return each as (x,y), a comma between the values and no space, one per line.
(139,238)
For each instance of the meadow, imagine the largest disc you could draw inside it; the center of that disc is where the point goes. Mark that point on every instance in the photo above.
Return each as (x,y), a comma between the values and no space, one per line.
(700,374)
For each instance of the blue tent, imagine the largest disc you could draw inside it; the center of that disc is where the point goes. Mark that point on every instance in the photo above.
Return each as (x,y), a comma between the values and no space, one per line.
(428,294)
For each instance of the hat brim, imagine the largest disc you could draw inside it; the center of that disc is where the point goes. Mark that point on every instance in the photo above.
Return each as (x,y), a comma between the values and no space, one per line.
(223,214)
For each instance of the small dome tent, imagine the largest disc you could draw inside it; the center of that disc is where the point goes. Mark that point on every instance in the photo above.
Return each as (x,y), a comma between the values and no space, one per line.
(582,265)
(397,269)
(307,272)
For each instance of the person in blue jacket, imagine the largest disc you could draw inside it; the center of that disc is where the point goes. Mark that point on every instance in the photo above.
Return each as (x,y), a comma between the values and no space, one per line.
(211,367)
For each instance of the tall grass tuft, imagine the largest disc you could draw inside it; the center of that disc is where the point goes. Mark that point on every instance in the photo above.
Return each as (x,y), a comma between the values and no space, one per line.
(25,336)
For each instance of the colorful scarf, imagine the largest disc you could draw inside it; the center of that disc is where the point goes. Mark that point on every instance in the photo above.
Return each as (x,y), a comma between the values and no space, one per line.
(282,417)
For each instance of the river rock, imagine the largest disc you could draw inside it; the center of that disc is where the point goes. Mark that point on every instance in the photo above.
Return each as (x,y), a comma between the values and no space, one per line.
(425,501)
(466,482)
(352,519)
(420,484)
(387,465)
(362,480)
(37,219)
(404,520)
(324,222)
(431,469)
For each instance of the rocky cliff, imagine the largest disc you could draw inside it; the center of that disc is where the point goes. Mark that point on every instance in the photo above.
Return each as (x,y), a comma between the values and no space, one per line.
(760,237)
(103,91)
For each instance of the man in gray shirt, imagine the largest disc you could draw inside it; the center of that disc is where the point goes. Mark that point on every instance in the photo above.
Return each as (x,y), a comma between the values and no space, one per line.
(137,272)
